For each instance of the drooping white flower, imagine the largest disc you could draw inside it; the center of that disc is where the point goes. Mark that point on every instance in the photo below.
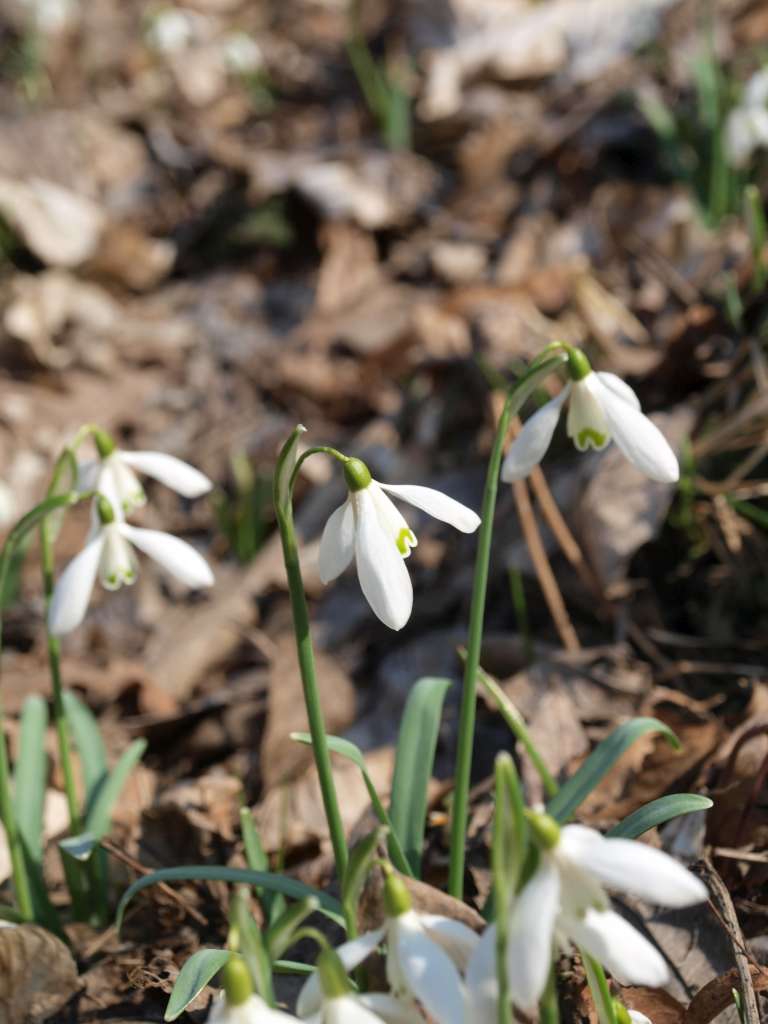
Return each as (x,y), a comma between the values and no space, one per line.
(639,1018)
(252,1011)
(482,980)
(114,475)
(369,529)
(108,553)
(746,127)
(565,903)
(601,408)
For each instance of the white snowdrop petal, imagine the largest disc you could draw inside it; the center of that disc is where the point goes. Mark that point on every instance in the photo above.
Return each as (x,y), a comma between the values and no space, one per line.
(531,933)
(633,867)
(174,555)
(174,473)
(429,973)
(391,520)
(337,544)
(74,588)
(87,475)
(531,444)
(436,504)
(348,1010)
(619,387)
(482,983)
(456,938)
(627,954)
(351,954)
(586,423)
(639,439)
(389,1009)
(383,576)
(118,564)
(639,1018)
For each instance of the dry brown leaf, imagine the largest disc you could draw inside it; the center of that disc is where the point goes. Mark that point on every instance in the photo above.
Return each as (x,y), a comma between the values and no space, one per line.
(37,974)
(717,995)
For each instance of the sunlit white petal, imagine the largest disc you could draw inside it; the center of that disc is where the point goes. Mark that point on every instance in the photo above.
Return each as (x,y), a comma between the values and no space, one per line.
(428,972)
(337,544)
(531,934)
(436,504)
(531,444)
(174,555)
(351,954)
(639,1018)
(74,588)
(482,981)
(383,574)
(391,520)
(253,1011)
(639,439)
(586,423)
(389,1009)
(173,472)
(456,938)
(627,954)
(632,867)
(619,387)
(117,565)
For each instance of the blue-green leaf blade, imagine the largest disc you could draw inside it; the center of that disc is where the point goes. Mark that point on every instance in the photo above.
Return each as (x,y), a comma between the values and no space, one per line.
(214,873)
(415,757)
(90,746)
(30,776)
(657,812)
(99,815)
(192,979)
(600,761)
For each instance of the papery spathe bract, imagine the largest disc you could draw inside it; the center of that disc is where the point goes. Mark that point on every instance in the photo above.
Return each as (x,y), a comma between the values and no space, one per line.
(114,476)
(108,554)
(369,529)
(565,903)
(601,408)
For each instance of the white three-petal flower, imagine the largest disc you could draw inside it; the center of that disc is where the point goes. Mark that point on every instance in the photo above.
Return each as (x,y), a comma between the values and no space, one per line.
(253,1011)
(114,476)
(565,901)
(601,408)
(369,529)
(108,554)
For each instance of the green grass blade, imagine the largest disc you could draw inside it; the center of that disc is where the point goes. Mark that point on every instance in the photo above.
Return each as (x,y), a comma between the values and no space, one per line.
(90,746)
(192,979)
(345,748)
(99,815)
(600,761)
(30,776)
(657,812)
(292,967)
(416,747)
(213,873)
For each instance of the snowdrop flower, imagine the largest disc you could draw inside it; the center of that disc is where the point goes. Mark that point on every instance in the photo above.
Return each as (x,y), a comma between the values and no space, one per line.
(426,954)
(327,996)
(601,408)
(112,475)
(565,902)
(746,127)
(237,1004)
(369,528)
(108,554)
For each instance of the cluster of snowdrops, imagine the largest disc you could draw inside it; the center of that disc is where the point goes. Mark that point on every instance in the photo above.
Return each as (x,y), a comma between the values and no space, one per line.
(437,969)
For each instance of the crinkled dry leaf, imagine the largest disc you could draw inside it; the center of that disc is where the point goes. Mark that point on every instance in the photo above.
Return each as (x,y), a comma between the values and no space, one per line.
(37,974)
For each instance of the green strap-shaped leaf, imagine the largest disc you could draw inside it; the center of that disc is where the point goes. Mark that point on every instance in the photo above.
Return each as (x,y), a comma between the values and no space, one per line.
(214,873)
(99,816)
(415,757)
(657,812)
(280,935)
(29,781)
(345,748)
(192,979)
(600,761)
(90,746)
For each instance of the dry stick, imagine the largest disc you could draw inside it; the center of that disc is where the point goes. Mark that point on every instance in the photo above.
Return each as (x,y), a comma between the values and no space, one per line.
(725,910)
(137,866)
(547,581)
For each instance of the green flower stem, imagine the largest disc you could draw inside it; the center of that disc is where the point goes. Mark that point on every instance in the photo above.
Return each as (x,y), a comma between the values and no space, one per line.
(508,849)
(18,866)
(284,512)
(514,402)
(549,1009)
(598,986)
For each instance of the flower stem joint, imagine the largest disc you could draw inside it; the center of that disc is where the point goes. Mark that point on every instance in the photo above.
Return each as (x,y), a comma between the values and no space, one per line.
(397,899)
(356,475)
(236,980)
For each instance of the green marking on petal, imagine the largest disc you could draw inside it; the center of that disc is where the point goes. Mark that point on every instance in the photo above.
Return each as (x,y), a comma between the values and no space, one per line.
(405,541)
(589,438)
(112,579)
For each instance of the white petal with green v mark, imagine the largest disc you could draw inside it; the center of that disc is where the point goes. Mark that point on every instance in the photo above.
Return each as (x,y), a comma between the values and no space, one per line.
(109,554)
(369,529)
(114,476)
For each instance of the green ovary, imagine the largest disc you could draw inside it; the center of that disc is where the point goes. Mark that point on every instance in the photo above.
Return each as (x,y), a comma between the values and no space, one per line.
(589,438)
(405,541)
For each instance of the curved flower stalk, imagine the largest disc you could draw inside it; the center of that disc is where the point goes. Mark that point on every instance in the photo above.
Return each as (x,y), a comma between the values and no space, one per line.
(565,903)
(746,127)
(113,474)
(369,529)
(109,554)
(601,408)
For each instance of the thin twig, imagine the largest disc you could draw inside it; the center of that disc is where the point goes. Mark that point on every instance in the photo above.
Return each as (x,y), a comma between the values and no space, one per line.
(141,869)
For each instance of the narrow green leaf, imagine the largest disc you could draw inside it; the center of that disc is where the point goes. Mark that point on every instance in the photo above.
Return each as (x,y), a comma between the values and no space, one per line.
(345,748)
(214,873)
(272,903)
(30,776)
(358,866)
(250,943)
(192,979)
(415,756)
(99,816)
(657,812)
(281,934)
(90,746)
(600,761)
(292,967)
